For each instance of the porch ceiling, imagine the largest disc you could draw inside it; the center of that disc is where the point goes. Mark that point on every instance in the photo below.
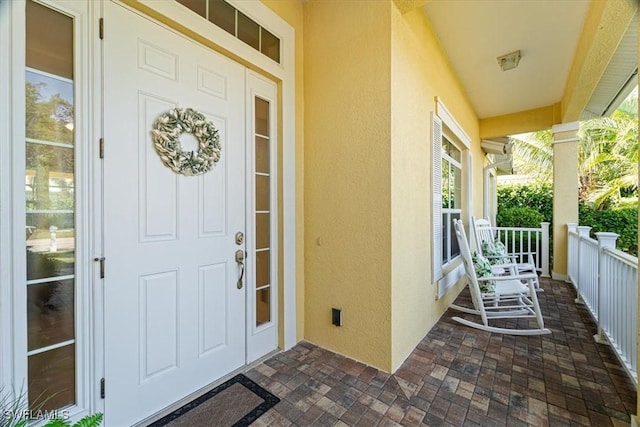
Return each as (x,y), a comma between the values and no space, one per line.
(548,33)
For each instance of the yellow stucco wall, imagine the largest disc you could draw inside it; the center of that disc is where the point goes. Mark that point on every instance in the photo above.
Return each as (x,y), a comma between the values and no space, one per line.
(419,72)
(364,118)
(292,12)
(520,122)
(347,176)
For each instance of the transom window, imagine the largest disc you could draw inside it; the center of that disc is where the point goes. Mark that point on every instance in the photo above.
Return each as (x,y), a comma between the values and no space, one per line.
(236,23)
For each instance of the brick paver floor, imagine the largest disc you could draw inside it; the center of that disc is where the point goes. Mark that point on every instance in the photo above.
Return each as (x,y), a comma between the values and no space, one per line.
(459,376)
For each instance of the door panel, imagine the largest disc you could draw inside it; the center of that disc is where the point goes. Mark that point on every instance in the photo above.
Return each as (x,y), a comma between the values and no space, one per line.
(174,317)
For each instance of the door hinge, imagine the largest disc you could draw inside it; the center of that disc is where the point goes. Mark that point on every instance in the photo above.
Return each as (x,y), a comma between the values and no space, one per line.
(102,148)
(101,28)
(101,261)
(102,388)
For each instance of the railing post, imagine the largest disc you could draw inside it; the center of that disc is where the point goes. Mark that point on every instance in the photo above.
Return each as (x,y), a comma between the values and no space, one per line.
(572,254)
(605,240)
(545,249)
(583,232)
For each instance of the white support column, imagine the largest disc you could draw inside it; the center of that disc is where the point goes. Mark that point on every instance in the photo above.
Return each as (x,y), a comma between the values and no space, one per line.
(565,191)
(583,232)
(605,240)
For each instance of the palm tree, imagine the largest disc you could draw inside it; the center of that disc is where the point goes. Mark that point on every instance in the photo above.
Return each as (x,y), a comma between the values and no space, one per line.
(610,155)
(607,156)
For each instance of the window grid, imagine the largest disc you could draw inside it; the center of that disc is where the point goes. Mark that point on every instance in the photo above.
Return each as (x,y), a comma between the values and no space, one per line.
(242,28)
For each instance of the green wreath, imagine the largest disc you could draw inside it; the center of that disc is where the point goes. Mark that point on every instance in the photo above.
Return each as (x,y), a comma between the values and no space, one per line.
(166,133)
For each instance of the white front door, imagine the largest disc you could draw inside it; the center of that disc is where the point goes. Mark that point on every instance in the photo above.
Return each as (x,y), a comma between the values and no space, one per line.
(174,316)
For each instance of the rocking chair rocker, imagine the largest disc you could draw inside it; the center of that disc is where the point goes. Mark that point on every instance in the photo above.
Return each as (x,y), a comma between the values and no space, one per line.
(514,296)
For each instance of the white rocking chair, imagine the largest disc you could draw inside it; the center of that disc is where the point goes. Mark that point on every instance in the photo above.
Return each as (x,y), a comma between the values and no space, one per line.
(485,233)
(514,297)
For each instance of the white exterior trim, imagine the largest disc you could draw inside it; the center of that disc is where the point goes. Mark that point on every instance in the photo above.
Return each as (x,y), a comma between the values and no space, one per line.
(451,274)
(8,14)
(285,72)
(13,281)
(450,279)
(560,141)
(566,127)
(451,123)
(261,339)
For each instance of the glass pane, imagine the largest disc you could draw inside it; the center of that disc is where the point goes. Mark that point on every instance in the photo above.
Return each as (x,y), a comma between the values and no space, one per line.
(446,198)
(198,6)
(262,117)
(262,268)
(52,378)
(262,193)
(263,306)
(49,107)
(457,188)
(223,15)
(248,31)
(262,155)
(455,249)
(49,178)
(455,153)
(50,245)
(445,238)
(262,231)
(49,40)
(270,45)
(452,185)
(50,313)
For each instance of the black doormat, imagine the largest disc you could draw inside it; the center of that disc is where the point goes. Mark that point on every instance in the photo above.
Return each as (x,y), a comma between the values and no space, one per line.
(235,403)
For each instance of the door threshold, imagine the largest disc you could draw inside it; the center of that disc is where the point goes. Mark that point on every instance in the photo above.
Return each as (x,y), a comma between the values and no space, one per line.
(180,403)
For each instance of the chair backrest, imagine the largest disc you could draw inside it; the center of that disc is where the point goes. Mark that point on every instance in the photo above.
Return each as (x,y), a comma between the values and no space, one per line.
(470,271)
(483,231)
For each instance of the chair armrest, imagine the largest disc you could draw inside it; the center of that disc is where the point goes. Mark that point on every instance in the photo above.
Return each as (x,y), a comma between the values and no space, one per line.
(526,276)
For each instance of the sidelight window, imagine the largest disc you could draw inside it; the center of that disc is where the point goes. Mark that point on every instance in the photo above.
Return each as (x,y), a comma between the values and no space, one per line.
(50,207)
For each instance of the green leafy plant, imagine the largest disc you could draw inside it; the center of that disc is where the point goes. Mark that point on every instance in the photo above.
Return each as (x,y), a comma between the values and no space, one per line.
(623,221)
(89,421)
(15,411)
(535,195)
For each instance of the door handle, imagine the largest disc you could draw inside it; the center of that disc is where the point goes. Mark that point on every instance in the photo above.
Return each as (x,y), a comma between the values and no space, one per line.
(240,261)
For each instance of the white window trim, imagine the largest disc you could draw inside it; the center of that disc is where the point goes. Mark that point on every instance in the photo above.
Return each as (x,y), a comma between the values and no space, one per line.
(13,337)
(10,13)
(446,276)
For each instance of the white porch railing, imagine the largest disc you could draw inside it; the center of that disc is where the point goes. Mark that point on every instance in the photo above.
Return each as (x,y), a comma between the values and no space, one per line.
(528,245)
(606,281)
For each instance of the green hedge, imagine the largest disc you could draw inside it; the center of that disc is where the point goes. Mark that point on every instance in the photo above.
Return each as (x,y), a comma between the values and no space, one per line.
(537,198)
(519,217)
(623,221)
